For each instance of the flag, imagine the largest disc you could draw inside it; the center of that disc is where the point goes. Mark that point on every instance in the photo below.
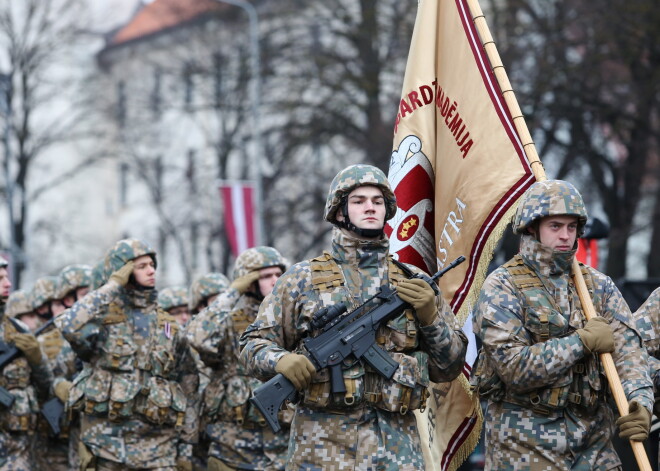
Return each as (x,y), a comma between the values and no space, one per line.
(238,198)
(457,169)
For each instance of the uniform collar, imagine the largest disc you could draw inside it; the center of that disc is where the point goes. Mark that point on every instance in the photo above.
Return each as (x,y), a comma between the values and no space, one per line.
(543,259)
(348,248)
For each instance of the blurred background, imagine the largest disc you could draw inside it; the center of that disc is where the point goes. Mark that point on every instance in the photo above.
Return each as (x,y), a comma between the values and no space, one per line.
(122,118)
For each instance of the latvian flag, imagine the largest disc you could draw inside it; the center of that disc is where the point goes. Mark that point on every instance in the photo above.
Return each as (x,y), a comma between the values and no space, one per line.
(238,198)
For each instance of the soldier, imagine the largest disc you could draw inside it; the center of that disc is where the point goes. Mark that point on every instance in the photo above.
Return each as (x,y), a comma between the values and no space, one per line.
(19,303)
(371,426)
(205,289)
(25,380)
(136,393)
(539,367)
(174,301)
(239,437)
(647,318)
(42,295)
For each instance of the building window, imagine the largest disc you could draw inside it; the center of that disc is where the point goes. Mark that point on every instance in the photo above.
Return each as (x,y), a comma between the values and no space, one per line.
(156,98)
(191,171)
(218,62)
(121,103)
(123,184)
(188,87)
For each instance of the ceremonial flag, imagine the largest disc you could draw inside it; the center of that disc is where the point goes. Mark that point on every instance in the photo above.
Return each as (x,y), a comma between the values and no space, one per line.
(238,198)
(457,168)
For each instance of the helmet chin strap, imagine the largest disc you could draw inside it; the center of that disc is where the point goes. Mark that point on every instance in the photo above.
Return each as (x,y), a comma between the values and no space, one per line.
(347,224)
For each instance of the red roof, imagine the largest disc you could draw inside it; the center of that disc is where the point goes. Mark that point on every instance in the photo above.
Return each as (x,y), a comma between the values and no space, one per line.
(160,15)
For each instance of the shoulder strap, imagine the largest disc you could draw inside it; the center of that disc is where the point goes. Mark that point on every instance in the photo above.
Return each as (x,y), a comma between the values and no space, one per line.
(326,274)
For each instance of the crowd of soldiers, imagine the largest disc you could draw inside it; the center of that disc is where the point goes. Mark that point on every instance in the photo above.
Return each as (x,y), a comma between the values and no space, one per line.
(161,380)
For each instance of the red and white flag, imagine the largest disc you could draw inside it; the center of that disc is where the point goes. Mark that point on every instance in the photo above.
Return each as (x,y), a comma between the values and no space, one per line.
(238,198)
(457,168)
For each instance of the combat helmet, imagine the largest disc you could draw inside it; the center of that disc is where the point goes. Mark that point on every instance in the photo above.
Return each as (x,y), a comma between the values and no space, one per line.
(549,198)
(348,180)
(173,296)
(44,290)
(206,286)
(73,277)
(257,258)
(19,303)
(124,251)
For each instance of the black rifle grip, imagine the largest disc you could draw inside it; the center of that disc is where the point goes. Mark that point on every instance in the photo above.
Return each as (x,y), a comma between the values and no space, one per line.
(337,378)
(268,398)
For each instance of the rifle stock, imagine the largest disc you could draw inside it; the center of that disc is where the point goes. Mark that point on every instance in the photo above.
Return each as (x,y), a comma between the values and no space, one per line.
(354,334)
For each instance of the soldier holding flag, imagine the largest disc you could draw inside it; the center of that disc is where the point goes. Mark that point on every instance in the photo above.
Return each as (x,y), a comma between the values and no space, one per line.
(539,367)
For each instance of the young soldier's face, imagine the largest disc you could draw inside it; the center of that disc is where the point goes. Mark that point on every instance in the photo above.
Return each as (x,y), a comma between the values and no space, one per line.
(558,232)
(267,278)
(5,283)
(144,271)
(366,208)
(57,307)
(181,314)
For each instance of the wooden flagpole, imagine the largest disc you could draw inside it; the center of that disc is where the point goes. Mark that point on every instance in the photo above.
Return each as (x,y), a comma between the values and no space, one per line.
(539,172)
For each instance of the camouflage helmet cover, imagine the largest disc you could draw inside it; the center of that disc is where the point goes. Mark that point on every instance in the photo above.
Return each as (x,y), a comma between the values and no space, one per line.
(257,258)
(205,287)
(19,303)
(351,178)
(124,251)
(72,277)
(173,296)
(549,198)
(44,290)
(98,275)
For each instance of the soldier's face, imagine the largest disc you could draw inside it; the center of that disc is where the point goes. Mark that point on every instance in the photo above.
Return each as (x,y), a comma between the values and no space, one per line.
(558,232)
(144,271)
(181,314)
(57,307)
(31,319)
(267,278)
(366,208)
(5,283)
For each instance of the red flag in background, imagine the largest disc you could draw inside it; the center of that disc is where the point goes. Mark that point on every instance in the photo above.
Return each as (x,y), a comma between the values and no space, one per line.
(240,214)
(457,169)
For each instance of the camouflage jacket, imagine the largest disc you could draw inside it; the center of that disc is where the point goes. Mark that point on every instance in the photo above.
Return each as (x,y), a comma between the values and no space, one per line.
(29,385)
(137,362)
(648,323)
(510,328)
(435,352)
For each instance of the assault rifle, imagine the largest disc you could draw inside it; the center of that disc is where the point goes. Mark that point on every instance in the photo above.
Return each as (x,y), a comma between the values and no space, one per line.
(9,353)
(342,335)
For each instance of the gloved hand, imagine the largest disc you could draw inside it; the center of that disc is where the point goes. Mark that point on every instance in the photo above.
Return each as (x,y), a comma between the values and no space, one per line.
(183,464)
(297,369)
(243,283)
(29,345)
(421,297)
(597,336)
(122,275)
(635,425)
(214,464)
(62,390)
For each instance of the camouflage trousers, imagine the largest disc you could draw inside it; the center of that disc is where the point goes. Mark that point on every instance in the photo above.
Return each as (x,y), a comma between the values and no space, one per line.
(518,439)
(257,449)
(364,439)
(16,452)
(52,453)
(134,443)
(105,465)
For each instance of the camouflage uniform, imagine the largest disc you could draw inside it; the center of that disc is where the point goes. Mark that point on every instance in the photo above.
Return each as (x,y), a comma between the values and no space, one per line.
(372,426)
(238,433)
(546,394)
(204,288)
(66,365)
(29,385)
(137,390)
